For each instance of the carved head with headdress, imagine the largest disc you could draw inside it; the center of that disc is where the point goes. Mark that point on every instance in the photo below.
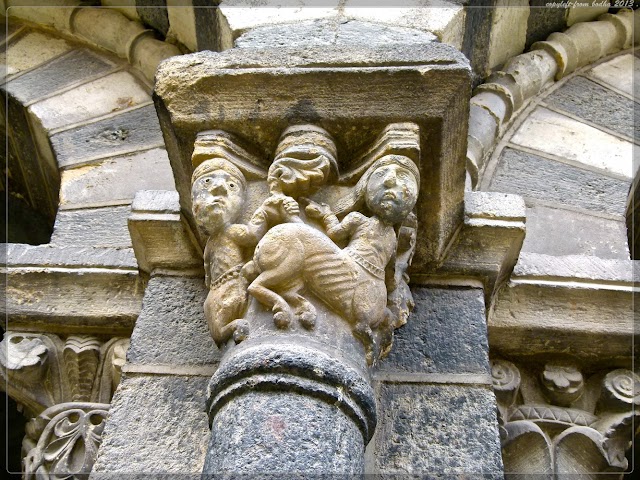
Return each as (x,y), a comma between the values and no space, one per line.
(217,193)
(388,189)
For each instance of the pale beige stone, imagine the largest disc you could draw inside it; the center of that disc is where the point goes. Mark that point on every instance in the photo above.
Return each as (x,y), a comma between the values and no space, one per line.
(584,12)
(31,50)
(618,72)
(52,13)
(127,7)
(556,134)
(182,23)
(108,94)
(116,179)
(509,31)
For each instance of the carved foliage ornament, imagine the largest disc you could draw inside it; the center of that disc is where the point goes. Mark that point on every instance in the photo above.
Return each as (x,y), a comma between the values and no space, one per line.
(555,421)
(314,235)
(65,386)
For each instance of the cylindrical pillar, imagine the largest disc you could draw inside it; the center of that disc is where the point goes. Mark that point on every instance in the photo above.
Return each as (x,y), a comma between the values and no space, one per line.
(291,402)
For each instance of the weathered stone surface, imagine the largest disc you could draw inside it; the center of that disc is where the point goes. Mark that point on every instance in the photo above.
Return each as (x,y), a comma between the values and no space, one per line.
(590,320)
(94,227)
(432,340)
(161,238)
(283,434)
(74,300)
(576,267)
(508,32)
(116,180)
(30,50)
(19,255)
(583,13)
(154,13)
(63,71)
(589,100)
(537,178)
(550,132)
(327,32)
(437,430)
(156,425)
(543,21)
(332,96)
(555,231)
(171,328)
(122,133)
(619,73)
(181,18)
(114,92)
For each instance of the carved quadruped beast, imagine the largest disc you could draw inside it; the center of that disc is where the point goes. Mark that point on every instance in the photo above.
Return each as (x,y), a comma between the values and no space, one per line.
(351,260)
(353,281)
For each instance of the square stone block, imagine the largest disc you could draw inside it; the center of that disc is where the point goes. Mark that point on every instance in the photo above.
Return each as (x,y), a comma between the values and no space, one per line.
(353,93)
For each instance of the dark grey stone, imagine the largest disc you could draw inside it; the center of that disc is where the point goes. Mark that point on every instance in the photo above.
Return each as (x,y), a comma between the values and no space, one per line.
(171,328)
(593,102)
(437,430)
(156,425)
(283,433)
(154,14)
(60,72)
(537,178)
(555,231)
(331,32)
(125,133)
(93,227)
(206,24)
(543,21)
(446,333)
(477,34)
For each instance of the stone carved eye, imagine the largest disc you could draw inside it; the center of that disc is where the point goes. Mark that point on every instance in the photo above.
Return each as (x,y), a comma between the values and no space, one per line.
(207,180)
(232,185)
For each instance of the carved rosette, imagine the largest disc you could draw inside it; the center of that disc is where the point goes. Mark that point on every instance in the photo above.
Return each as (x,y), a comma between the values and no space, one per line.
(563,423)
(65,386)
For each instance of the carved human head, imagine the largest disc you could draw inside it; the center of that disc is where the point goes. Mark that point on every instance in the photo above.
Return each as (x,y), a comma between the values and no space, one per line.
(217,193)
(391,188)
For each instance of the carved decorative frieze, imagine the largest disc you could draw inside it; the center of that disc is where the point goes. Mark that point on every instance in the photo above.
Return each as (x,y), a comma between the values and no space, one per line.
(557,421)
(40,370)
(64,385)
(345,242)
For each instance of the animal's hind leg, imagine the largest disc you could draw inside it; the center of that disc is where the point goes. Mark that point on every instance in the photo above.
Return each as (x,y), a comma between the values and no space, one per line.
(363,332)
(304,310)
(261,289)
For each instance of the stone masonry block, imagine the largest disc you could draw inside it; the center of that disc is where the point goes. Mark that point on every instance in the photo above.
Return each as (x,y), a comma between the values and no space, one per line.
(586,99)
(431,430)
(446,333)
(116,180)
(157,424)
(171,328)
(93,227)
(30,50)
(537,178)
(60,72)
(125,132)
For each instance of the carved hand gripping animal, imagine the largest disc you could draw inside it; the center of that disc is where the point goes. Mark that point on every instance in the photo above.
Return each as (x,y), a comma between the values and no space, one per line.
(353,281)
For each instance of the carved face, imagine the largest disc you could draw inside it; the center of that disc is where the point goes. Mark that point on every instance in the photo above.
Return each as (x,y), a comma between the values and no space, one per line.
(217,198)
(392,192)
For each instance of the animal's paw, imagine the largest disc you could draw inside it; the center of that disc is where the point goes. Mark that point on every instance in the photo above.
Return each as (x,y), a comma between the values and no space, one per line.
(308,320)
(241,331)
(281,319)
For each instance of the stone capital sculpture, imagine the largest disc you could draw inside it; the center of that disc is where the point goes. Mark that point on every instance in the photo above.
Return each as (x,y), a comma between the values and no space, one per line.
(308,240)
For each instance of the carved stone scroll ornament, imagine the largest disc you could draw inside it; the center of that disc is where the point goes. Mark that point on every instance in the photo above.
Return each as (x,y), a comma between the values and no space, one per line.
(557,422)
(295,247)
(65,386)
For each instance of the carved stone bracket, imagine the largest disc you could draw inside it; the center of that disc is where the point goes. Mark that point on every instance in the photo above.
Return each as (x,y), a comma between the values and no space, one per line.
(42,370)
(555,421)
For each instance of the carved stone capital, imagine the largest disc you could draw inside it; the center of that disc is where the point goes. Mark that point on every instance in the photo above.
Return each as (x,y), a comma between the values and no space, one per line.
(564,422)
(42,370)
(63,441)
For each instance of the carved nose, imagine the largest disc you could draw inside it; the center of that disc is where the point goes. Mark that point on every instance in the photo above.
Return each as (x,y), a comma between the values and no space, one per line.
(217,187)
(390,180)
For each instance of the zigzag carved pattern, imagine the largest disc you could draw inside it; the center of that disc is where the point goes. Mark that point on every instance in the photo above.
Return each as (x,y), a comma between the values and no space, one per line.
(81,358)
